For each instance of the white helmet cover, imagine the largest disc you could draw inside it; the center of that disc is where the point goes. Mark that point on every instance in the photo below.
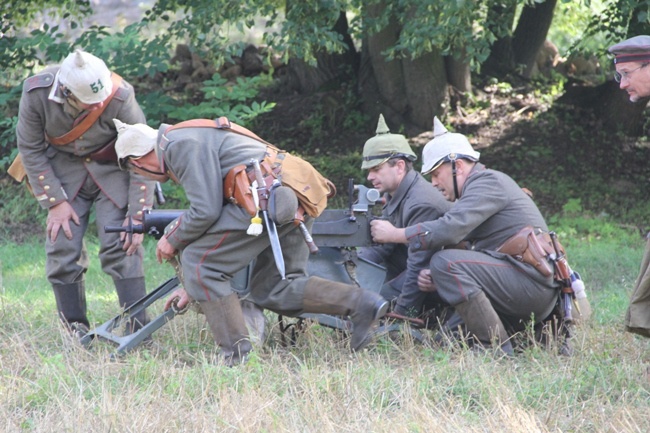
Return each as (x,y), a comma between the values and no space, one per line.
(134,141)
(444,147)
(86,76)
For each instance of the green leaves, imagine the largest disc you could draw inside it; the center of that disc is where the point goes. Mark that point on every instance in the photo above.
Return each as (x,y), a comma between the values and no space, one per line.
(222,98)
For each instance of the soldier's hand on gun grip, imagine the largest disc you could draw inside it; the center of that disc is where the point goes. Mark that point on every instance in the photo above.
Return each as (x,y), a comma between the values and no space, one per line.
(425,283)
(164,250)
(131,240)
(179,299)
(383,231)
(58,217)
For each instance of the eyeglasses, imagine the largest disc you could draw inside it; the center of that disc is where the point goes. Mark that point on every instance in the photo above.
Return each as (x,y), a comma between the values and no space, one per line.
(619,76)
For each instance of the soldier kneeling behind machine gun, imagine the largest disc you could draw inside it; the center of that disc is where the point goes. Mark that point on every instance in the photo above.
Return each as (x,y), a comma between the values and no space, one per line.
(230,177)
(335,235)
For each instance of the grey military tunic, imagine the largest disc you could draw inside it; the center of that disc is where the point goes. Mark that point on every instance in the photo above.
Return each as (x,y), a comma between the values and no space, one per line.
(491,209)
(414,201)
(66,173)
(211,234)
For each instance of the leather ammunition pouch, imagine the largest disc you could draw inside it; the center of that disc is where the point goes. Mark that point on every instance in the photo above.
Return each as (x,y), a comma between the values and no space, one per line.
(106,154)
(531,246)
(237,189)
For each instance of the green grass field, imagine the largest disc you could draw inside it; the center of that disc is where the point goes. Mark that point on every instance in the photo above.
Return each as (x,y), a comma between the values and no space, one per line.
(51,384)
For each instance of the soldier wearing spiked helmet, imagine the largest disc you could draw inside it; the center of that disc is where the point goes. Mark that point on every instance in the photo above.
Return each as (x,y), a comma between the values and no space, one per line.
(212,238)
(481,283)
(66,137)
(409,200)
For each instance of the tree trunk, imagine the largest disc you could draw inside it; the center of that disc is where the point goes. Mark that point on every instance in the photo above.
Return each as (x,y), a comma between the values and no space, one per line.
(501,60)
(458,73)
(530,34)
(426,91)
(381,82)
(331,69)
(407,92)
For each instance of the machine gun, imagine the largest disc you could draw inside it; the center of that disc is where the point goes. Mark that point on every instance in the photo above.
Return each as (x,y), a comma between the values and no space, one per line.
(336,233)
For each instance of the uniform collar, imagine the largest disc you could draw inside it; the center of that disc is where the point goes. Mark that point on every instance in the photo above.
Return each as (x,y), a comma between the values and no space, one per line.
(55,92)
(396,198)
(160,147)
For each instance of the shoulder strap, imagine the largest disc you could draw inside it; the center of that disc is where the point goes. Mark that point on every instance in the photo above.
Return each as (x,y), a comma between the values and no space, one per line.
(88,121)
(219,123)
(37,81)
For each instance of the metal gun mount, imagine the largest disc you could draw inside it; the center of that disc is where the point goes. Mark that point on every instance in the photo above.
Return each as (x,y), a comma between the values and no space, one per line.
(337,233)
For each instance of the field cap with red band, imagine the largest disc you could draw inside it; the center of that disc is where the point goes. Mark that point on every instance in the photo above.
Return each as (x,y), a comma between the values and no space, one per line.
(636,49)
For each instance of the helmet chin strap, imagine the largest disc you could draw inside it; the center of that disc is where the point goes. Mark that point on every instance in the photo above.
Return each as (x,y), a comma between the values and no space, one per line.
(453,174)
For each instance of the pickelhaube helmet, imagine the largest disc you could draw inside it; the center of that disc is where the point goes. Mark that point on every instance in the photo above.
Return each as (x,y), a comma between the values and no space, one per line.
(445,147)
(385,146)
(86,76)
(133,141)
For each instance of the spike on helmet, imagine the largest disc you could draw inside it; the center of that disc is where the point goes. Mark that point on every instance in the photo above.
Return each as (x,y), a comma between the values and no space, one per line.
(444,147)
(86,76)
(134,141)
(385,146)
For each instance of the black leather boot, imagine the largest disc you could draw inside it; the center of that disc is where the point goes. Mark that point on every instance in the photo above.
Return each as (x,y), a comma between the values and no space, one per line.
(483,323)
(226,321)
(129,291)
(363,306)
(71,306)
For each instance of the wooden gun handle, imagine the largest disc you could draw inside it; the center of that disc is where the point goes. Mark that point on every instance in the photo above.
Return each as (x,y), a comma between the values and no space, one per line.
(313,248)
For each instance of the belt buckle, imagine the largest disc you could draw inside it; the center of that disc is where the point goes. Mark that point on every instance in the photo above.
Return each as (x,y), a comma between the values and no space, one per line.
(222,122)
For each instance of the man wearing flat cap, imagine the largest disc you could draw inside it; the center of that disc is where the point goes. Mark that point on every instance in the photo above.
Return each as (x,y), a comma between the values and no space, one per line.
(409,199)
(631,59)
(212,237)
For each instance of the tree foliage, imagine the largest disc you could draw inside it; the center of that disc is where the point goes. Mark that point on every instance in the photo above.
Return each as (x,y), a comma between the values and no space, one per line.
(469,31)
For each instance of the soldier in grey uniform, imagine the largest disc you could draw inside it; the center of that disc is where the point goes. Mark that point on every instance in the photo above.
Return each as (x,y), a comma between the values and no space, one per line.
(80,171)
(632,56)
(212,237)
(489,209)
(409,199)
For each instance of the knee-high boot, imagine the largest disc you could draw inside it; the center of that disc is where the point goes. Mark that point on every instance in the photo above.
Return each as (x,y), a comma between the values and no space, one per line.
(129,291)
(226,321)
(255,321)
(71,306)
(363,306)
(483,322)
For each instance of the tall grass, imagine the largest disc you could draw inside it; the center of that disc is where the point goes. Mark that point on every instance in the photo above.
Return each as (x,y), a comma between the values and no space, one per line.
(50,384)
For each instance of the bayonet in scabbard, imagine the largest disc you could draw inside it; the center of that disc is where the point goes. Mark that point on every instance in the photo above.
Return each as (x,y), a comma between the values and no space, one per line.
(263,194)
